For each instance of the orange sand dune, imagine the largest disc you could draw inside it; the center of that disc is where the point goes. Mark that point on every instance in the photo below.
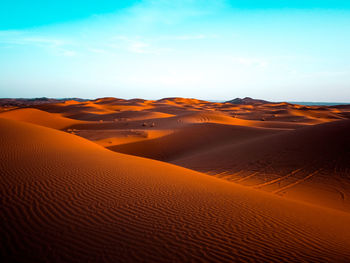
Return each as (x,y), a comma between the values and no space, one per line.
(265,115)
(108,138)
(116,116)
(215,117)
(181,100)
(311,163)
(39,117)
(285,112)
(318,115)
(192,139)
(65,199)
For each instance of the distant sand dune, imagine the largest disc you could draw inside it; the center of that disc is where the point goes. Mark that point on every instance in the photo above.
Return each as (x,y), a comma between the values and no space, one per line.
(209,117)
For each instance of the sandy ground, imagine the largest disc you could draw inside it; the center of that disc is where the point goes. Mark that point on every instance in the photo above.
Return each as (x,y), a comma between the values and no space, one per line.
(175,180)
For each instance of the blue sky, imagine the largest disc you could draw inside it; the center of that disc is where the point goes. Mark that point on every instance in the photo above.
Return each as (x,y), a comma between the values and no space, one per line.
(216,50)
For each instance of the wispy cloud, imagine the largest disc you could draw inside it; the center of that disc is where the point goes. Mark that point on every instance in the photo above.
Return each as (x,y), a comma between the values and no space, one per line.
(57,46)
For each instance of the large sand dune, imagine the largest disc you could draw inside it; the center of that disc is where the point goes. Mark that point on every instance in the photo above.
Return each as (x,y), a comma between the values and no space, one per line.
(67,199)
(269,182)
(191,140)
(311,163)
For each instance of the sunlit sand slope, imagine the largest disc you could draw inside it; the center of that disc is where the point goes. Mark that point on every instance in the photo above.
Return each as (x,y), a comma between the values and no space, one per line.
(40,117)
(65,199)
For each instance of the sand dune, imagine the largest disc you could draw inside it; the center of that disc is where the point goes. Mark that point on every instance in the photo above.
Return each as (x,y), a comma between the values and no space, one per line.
(67,199)
(192,139)
(108,109)
(108,138)
(311,163)
(39,117)
(220,118)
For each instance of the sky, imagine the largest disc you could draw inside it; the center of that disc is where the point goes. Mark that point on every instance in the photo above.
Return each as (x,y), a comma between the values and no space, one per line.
(276,50)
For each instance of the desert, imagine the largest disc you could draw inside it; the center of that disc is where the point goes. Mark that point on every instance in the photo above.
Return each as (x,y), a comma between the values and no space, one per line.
(174,180)
(175,131)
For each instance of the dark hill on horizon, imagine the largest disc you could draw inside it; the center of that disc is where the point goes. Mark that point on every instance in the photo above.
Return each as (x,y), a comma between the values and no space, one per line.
(247,101)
